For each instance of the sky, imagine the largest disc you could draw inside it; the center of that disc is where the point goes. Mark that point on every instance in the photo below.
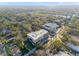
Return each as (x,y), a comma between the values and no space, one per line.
(29,3)
(39,3)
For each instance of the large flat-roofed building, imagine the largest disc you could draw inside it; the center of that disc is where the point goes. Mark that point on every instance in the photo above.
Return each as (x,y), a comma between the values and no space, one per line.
(51,27)
(38,36)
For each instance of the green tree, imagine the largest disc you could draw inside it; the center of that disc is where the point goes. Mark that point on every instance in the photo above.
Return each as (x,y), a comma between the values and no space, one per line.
(8,50)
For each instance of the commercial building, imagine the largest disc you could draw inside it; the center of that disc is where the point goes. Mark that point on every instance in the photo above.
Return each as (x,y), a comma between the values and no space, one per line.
(51,28)
(38,36)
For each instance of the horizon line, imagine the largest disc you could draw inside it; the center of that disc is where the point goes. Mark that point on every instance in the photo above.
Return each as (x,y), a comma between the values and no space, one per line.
(38,3)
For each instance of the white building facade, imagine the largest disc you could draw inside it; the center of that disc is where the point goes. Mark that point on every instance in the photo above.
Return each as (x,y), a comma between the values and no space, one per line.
(38,36)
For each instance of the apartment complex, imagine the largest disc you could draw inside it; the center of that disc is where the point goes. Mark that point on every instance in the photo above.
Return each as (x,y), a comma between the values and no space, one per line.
(38,36)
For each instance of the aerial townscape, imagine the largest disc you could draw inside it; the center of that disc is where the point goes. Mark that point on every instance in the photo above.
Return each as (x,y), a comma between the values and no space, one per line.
(39,30)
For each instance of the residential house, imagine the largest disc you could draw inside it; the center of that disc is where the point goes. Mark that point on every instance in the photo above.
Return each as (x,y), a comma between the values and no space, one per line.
(8,34)
(15,50)
(2,50)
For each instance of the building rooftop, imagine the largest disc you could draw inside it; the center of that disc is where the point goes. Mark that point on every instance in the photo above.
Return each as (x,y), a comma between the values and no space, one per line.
(61,53)
(37,34)
(73,47)
(6,31)
(51,26)
(15,51)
